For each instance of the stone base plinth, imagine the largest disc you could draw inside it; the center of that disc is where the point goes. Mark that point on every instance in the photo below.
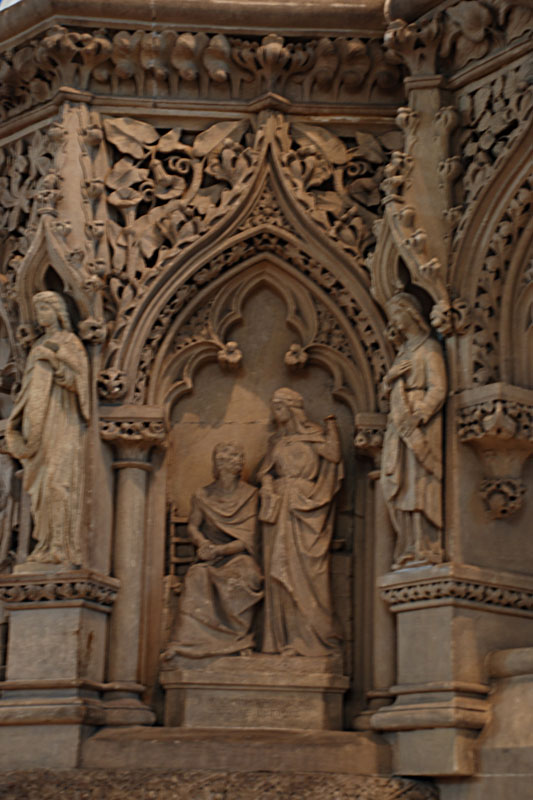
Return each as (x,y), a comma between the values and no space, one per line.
(234,750)
(50,746)
(257,691)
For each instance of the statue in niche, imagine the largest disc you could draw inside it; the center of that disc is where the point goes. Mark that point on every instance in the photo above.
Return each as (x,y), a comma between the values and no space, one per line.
(220,592)
(46,430)
(300,475)
(411,468)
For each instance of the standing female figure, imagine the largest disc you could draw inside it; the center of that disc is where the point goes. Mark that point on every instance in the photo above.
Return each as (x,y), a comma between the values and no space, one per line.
(411,467)
(46,432)
(301,474)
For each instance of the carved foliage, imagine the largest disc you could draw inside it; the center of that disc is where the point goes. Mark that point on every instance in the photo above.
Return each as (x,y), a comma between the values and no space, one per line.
(460,34)
(500,429)
(195,65)
(419,593)
(164,191)
(492,117)
(29,589)
(488,297)
(503,418)
(337,181)
(167,190)
(29,186)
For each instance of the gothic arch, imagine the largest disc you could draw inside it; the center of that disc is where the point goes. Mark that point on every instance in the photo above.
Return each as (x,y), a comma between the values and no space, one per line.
(323,334)
(516,340)
(184,269)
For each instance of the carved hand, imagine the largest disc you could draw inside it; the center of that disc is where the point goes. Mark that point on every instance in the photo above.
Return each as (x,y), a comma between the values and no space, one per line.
(402,368)
(208,551)
(43,353)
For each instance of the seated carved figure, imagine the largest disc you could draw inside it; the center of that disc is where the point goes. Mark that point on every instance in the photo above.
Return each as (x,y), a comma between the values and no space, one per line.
(221,591)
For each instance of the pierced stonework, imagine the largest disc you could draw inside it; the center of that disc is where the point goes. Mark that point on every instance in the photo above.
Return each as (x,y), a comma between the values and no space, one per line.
(486,311)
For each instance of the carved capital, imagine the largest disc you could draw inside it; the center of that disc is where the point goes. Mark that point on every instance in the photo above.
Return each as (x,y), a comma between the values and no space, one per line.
(133,426)
(64,588)
(416,44)
(497,421)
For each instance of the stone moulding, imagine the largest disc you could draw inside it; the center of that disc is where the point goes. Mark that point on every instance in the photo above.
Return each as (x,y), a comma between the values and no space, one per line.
(195,66)
(496,420)
(65,588)
(469,587)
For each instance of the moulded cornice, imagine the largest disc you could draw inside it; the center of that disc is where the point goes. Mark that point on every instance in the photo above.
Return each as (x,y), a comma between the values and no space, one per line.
(409,10)
(239,16)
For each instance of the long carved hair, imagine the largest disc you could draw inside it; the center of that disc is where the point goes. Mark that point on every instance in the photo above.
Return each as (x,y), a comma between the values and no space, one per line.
(54,300)
(295,403)
(410,304)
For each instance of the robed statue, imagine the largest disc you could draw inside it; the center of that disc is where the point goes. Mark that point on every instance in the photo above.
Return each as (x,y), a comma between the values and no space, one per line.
(411,467)
(46,431)
(221,591)
(301,475)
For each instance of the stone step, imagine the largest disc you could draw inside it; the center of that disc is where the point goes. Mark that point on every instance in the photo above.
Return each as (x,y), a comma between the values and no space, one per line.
(238,750)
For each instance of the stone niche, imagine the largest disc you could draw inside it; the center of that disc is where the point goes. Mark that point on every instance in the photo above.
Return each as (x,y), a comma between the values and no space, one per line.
(231,403)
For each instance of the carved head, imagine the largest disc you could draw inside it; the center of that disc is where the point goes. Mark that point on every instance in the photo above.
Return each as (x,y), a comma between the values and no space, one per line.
(227,456)
(283,402)
(45,301)
(405,313)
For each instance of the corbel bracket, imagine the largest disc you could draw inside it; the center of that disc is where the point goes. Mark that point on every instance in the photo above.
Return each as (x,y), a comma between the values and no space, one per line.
(497,421)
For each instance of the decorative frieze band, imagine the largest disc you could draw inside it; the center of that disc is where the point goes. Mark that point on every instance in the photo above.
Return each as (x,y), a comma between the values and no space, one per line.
(418,593)
(42,588)
(192,66)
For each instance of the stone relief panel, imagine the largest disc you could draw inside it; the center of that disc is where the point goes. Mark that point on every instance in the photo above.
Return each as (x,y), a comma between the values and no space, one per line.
(235,405)
(412,461)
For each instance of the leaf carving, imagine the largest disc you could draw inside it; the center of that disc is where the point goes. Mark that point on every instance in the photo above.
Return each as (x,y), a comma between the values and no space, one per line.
(213,137)
(332,147)
(130,136)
